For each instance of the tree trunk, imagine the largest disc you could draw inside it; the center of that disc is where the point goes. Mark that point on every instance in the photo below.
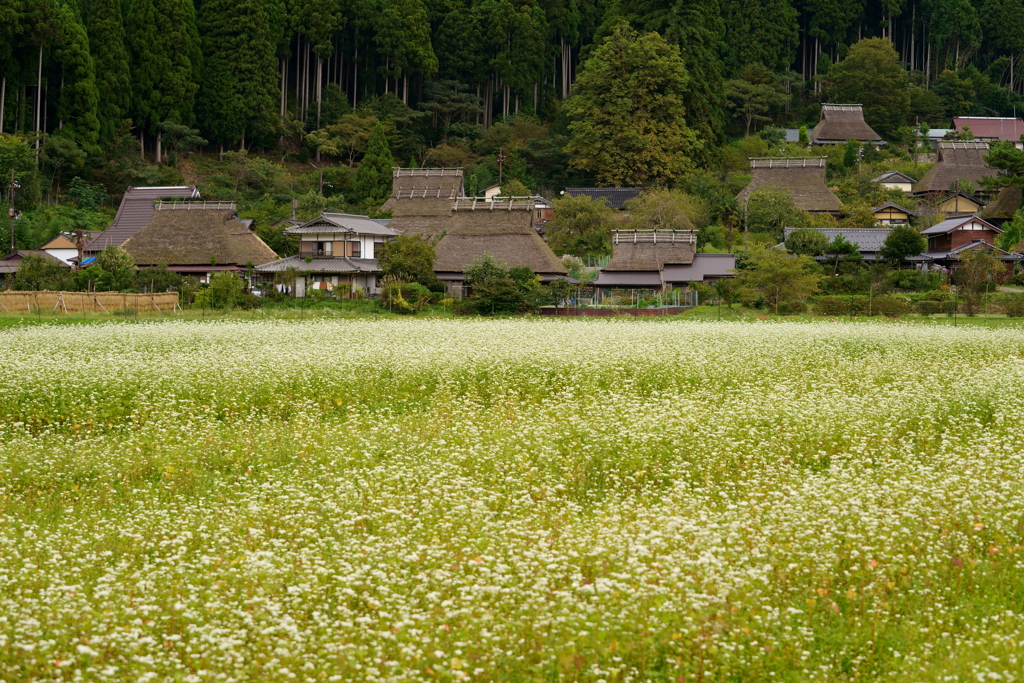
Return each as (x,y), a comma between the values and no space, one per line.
(913,34)
(142,146)
(536,95)
(405,89)
(298,80)
(3,101)
(39,99)
(159,146)
(284,87)
(319,88)
(355,71)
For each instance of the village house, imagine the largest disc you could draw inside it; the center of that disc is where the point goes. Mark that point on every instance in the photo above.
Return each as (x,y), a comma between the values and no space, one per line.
(956,161)
(959,204)
(1004,206)
(841,123)
(134,213)
(659,260)
(891,213)
(867,240)
(802,177)
(10,264)
(197,239)
(63,246)
(337,252)
(421,200)
(505,228)
(991,128)
(894,180)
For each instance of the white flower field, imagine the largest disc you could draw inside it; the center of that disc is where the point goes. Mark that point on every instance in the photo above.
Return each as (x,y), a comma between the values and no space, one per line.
(514,500)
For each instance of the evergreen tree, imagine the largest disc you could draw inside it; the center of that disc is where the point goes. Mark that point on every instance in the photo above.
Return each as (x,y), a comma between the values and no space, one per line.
(163,45)
(403,38)
(759,31)
(458,44)
(239,89)
(113,82)
(79,97)
(871,75)
(373,179)
(627,112)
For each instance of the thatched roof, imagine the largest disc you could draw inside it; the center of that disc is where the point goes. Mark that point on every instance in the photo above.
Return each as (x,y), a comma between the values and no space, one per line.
(181,238)
(506,234)
(413,188)
(842,122)
(956,161)
(653,250)
(802,177)
(134,213)
(1004,206)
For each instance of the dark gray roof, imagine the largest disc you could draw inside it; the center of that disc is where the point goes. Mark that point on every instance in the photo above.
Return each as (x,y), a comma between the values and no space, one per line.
(321,265)
(951,224)
(9,264)
(134,213)
(341,223)
(974,244)
(866,239)
(638,278)
(703,266)
(615,197)
(893,205)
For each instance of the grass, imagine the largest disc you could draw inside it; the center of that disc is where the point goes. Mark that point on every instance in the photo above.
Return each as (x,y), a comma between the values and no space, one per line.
(343,498)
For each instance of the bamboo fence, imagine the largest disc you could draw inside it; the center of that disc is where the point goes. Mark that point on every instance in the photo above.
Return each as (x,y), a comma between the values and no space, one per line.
(78,302)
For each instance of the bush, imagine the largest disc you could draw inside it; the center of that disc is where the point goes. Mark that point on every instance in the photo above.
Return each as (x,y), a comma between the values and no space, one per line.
(792,308)
(1013,308)
(889,306)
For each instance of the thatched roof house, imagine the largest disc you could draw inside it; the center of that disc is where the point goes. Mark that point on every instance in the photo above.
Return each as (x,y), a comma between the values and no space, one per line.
(640,257)
(502,228)
(134,213)
(1006,203)
(955,161)
(421,199)
(842,122)
(197,238)
(802,177)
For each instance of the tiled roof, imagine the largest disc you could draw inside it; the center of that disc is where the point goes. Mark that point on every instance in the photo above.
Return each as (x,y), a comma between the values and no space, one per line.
(703,266)
(865,239)
(614,197)
(343,223)
(321,265)
(951,224)
(893,205)
(894,177)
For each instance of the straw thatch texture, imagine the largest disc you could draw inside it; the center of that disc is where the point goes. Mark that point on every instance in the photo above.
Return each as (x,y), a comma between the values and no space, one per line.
(627,256)
(842,122)
(804,178)
(96,302)
(183,238)
(134,214)
(956,161)
(1004,206)
(506,235)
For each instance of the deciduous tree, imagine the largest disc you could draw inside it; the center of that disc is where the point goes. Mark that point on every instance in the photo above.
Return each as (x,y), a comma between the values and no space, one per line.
(777,276)
(580,227)
(871,75)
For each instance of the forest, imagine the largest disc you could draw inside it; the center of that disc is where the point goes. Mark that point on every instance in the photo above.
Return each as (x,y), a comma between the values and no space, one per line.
(275,102)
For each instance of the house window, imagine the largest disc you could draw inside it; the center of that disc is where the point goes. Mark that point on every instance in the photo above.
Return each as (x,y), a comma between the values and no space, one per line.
(352,249)
(324,248)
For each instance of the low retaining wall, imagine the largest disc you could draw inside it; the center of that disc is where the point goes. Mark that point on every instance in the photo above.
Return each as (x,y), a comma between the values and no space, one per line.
(612,312)
(97,302)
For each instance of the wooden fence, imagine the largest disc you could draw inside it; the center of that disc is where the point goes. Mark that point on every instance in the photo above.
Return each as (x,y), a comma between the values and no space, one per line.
(77,302)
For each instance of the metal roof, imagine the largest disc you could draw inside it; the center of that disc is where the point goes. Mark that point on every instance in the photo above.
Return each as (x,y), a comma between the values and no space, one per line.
(703,266)
(865,239)
(134,213)
(321,265)
(991,127)
(342,223)
(638,278)
(614,197)
(951,224)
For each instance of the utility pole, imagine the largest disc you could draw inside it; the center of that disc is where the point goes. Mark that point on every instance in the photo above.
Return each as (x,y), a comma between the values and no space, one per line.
(12,212)
(501,164)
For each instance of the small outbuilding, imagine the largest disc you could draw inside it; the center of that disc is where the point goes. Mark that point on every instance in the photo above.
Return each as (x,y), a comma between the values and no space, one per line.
(894,180)
(960,204)
(891,213)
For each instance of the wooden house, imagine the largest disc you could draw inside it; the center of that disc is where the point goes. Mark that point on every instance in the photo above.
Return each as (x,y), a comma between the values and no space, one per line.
(504,228)
(337,252)
(891,213)
(955,161)
(421,200)
(957,231)
(959,204)
(802,177)
(894,180)
(135,212)
(197,239)
(640,258)
(843,122)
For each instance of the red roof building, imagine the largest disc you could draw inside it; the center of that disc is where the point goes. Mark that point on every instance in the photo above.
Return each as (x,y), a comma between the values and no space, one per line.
(991,128)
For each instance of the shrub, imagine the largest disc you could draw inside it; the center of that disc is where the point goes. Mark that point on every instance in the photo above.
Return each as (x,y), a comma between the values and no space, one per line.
(792,308)
(1013,308)
(889,306)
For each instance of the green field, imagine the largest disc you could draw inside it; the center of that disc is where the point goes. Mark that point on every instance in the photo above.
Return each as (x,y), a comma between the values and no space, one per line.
(515,500)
